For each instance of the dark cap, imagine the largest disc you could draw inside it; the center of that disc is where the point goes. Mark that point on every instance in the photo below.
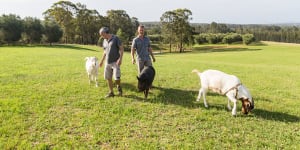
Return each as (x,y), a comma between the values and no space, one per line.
(104,30)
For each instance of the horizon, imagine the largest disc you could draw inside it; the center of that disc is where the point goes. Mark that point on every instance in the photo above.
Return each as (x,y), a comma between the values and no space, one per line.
(219,11)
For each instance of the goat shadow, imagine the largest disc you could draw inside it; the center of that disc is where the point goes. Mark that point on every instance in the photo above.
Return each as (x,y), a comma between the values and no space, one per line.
(187,98)
(275,116)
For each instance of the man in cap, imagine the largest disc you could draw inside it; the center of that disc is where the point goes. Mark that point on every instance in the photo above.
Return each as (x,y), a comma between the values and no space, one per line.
(113,54)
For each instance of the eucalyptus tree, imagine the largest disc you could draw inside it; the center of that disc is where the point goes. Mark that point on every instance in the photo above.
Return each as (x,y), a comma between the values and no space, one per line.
(183,28)
(88,22)
(168,20)
(119,19)
(121,35)
(33,30)
(213,27)
(176,22)
(135,24)
(11,27)
(63,13)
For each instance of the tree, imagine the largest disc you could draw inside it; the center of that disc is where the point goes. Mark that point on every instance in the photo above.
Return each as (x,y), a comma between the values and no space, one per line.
(182,28)
(11,27)
(177,21)
(122,37)
(87,22)
(168,20)
(2,37)
(33,30)
(52,31)
(63,13)
(119,19)
(231,37)
(248,38)
(214,27)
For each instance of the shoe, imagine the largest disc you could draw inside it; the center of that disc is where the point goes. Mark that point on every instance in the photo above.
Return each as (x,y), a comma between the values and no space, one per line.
(120,92)
(110,95)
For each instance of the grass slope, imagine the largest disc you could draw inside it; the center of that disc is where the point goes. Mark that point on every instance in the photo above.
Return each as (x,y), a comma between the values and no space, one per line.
(46,102)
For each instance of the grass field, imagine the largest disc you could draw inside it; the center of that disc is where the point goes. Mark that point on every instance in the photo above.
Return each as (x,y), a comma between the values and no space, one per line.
(47,103)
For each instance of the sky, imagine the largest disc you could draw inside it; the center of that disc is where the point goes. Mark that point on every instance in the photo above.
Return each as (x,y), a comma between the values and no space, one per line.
(203,11)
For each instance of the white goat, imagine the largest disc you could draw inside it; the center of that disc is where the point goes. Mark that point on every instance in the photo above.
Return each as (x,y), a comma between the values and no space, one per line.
(92,68)
(225,84)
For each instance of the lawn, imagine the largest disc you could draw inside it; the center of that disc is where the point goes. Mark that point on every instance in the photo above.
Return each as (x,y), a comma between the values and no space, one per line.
(47,103)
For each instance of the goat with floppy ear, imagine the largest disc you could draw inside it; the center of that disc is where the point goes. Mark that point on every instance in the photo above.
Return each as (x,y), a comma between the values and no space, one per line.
(145,79)
(225,84)
(92,69)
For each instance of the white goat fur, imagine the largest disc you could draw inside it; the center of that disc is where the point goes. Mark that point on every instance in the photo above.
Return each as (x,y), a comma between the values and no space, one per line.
(222,83)
(92,68)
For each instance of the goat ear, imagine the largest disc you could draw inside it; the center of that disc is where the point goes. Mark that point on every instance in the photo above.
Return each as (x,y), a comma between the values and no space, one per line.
(138,78)
(86,58)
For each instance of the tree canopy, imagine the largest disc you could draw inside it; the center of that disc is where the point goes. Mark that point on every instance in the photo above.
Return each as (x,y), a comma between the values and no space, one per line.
(66,22)
(176,27)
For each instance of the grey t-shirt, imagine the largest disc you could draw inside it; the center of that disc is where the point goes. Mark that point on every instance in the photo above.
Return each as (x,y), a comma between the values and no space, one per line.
(141,46)
(112,48)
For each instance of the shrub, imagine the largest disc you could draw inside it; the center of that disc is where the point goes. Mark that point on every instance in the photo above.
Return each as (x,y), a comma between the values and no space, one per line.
(248,38)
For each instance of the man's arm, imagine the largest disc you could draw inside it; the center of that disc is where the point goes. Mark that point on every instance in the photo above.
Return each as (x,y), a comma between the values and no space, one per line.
(151,53)
(102,59)
(132,55)
(121,51)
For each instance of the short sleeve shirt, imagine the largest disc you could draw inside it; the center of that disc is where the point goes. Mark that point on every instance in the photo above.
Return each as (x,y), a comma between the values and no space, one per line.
(141,46)
(111,48)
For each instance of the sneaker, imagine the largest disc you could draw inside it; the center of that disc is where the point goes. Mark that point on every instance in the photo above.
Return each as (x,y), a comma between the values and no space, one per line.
(120,92)
(110,95)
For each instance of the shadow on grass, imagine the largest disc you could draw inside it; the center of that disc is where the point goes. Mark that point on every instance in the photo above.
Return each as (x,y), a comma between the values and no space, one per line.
(276,116)
(185,98)
(65,46)
(129,87)
(209,49)
(69,46)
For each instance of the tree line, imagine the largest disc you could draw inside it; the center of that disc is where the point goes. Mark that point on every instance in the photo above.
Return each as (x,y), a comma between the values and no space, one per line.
(288,33)
(66,22)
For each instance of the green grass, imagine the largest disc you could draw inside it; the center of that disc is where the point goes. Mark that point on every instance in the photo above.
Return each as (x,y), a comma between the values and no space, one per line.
(47,103)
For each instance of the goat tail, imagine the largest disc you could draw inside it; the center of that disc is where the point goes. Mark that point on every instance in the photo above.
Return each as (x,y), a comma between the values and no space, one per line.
(196,71)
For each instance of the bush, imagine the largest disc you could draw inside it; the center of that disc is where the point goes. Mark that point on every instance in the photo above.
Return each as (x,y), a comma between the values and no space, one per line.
(200,39)
(248,38)
(231,38)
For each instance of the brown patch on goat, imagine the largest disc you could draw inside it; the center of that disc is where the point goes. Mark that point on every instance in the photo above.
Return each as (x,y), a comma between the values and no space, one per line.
(246,106)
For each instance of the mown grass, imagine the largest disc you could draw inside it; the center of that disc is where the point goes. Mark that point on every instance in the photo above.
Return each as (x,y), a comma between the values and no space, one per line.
(46,102)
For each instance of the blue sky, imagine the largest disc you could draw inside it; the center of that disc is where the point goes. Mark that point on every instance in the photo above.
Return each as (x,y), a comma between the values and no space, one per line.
(220,11)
